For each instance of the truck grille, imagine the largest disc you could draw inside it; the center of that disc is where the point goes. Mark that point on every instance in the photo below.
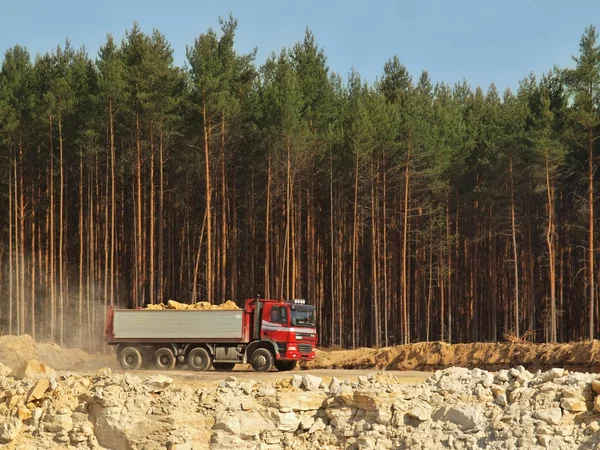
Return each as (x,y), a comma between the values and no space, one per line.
(304,348)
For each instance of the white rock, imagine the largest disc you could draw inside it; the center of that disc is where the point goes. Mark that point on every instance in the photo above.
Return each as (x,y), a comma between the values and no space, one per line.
(335,386)
(158,382)
(311,382)
(296,381)
(317,426)
(10,429)
(287,421)
(104,372)
(466,418)
(573,405)
(552,374)
(551,416)
(307,422)
(502,376)
(421,413)
(488,380)
(57,423)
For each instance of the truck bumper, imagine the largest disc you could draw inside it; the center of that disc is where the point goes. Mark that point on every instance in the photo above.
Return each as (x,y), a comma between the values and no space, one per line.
(294,355)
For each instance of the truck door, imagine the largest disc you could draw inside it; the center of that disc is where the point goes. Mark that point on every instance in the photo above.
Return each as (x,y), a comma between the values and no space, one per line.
(275,322)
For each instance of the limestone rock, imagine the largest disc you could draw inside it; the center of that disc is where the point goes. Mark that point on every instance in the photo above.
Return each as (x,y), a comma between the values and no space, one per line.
(56,423)
(33,369)
(552,374)
(311,382)
(285,421)
(158,383)
(104,372)
(466,418)
(573,405)
(551,416)
(38,391)
(307,422)
(10,428)
(597,404)
(421,413)
(317,426)
(596,386)
(300,401)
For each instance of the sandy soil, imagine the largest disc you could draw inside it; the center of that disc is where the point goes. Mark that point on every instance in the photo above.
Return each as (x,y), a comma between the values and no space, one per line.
(424,358)
(581,356)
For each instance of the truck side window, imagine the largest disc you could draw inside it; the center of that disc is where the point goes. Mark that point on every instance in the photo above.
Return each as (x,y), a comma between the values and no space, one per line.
(278,315)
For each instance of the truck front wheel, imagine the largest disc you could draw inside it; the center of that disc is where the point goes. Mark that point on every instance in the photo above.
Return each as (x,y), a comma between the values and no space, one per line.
(130,358)
(164,359)
(198,359)
(261,360)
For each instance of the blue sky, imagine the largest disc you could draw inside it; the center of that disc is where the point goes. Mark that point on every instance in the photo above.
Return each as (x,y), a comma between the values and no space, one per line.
(483,41)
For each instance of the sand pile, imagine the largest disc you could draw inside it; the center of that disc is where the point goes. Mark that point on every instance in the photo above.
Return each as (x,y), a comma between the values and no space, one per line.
(172,304)
(16,349)
(431,356)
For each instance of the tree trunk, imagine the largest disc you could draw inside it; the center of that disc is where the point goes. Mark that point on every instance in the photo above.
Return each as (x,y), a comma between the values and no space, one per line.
(550,237)
(374,283)
(81,246)
(152,218)
(514,245)
(113,243)
(223,214)
(267,232)
(138,297)
(161,206)
(592,274)
(405,320)
(354,250)
(11,255)
(209,249)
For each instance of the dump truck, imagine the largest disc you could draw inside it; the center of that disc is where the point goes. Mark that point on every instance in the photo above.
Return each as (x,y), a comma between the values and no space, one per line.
(264,333)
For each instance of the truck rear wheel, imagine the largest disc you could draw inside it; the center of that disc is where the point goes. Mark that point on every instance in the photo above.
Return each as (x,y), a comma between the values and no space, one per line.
(284,366)
(130,358)
(164,358)
(261,360)
(223,366)
(198,359)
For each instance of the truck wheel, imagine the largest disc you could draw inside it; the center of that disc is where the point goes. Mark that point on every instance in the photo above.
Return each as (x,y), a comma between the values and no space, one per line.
(164,358)
(223,367)
(284,366)
(198,359)
(130,358)
(262,360)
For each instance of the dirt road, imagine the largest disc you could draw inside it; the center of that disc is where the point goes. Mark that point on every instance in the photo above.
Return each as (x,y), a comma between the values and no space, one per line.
(213,378)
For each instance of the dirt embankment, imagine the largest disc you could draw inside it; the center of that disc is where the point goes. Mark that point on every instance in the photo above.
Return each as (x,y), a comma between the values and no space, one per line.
(581,356)
(577,356)
(16,349)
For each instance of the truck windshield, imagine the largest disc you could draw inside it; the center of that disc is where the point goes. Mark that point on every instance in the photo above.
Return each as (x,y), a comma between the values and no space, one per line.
(303,317)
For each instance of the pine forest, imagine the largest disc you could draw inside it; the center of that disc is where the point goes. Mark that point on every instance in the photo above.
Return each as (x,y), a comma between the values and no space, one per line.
(404,210)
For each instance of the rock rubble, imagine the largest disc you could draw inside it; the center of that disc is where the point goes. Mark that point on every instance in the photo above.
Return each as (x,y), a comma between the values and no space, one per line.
(456,408)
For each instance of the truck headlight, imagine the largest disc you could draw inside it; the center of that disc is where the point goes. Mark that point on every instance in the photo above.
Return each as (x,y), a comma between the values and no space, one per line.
(292,348)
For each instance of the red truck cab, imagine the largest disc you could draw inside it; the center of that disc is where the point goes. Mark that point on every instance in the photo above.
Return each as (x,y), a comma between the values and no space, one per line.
(289,325)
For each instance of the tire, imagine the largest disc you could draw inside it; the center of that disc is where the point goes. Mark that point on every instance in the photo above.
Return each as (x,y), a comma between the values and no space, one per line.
(198,359)
(262,360)
(223,366)
(164,359)
(285,366)
(130,358)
